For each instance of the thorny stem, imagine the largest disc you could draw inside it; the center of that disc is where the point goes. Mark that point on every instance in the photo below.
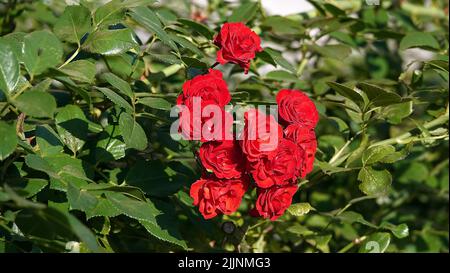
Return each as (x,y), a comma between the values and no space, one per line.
(214,65)
(399,139)
(357,241)
(257,225)
(395,140)
(302,66)
(351,202)
(339,153)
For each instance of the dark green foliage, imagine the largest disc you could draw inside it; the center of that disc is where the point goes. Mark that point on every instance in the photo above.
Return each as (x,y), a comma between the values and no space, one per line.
(87,163)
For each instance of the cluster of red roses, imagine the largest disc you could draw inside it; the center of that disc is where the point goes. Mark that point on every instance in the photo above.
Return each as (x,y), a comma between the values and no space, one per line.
(274,157)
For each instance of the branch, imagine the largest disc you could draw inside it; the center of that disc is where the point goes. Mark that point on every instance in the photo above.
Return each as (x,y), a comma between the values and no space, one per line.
(399,139)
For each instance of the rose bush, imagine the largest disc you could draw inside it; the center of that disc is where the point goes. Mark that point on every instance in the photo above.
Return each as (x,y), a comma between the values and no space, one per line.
(131,126)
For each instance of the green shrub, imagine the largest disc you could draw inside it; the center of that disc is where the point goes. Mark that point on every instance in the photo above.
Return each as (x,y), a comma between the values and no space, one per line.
(87,162)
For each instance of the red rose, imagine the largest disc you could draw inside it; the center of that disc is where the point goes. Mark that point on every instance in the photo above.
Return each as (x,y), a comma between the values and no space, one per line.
(211,88)
(274,201)
(214,196)
(305,138)
(216,126)
(294,106)
(260,136)
(223,158)
(202,103)
(238,44)
(282,169)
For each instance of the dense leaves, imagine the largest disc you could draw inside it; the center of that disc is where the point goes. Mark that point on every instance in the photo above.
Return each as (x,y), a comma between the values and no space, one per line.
(87,162)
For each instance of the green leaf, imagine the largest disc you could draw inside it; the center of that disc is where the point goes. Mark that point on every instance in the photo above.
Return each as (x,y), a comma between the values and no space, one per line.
(282,25)
(81,71)
(72,86)
(299,230)
(62,170)
(80,199)
(438,64)
(136,3)
(103,188)
(83,233)
(279,59)
(111,42)
(42,86)
(320,242)
(124,65)
(377,154)
(374,182)
(244,13)
(52,224)
(69,170)
(167,226)
(340,125)
(149,20)
(266,57)
(163,234)
(102,208)
(156,103)
(339,52)
(20,201)
(395,113)
(344,37)
(335,11)
(110,13)
(300,209)
(139,210)
(419,39)
(9,68)
(281,75)
(198,27)
(399,231)
(48,140)
(38,163)
(133,134)
(376,243)
(73,24)
(166,58)
(36,104)
(185,43)
(351,217)
(72,127)
(119,84)
(110,147)
(8,141)
(116,99)
(42,50)
(399,155)
(379,96)
(414,172)
(156,179)
(29,187)
(194,63)
(347,92)
(16,42)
